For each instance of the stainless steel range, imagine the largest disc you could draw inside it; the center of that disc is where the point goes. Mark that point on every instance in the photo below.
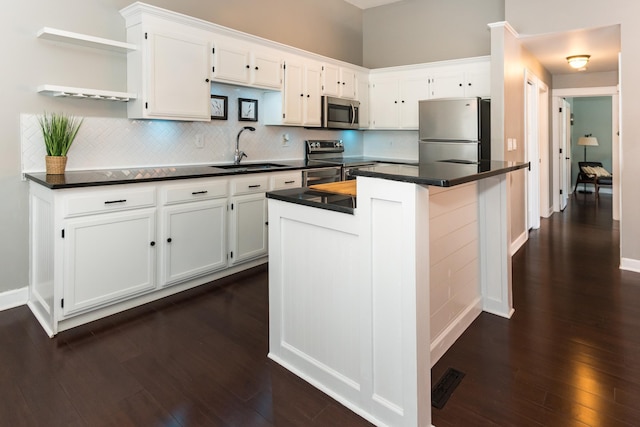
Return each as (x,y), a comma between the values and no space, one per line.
(331,153)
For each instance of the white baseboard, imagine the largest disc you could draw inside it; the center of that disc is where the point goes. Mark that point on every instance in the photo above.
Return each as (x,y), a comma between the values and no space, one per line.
(14,298)
(630,264)
(442,343)
(518,242)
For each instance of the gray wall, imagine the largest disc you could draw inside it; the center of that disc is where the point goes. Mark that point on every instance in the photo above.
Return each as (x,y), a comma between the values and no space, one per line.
(417,31)
(591,115)
(535,18)
(29,62)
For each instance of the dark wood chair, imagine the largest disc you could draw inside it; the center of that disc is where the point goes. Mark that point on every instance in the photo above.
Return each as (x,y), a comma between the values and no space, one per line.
(593,179)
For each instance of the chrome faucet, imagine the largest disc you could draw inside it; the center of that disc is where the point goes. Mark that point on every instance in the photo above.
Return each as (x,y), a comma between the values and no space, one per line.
(237,157)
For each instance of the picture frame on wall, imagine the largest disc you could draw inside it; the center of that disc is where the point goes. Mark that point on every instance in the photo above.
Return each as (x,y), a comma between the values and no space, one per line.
(219,107)
(247,110)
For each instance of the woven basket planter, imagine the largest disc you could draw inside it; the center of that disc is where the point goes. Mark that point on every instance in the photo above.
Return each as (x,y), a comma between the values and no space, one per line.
(55,165)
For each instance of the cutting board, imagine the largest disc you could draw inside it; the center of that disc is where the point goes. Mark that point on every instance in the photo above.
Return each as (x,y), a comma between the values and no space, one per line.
(342,187)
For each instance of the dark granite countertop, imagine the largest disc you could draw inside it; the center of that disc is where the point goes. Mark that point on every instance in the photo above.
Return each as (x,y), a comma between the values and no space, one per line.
(317,199)
(92,178)
(443,174)
(439,174)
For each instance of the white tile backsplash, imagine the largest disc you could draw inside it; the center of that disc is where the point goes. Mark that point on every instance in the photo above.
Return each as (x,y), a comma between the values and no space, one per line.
(108,143)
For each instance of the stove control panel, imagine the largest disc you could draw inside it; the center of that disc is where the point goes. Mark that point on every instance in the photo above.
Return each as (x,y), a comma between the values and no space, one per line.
(324,146)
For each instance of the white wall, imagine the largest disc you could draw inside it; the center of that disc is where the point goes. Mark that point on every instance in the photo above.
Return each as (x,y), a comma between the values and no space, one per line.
(29,62)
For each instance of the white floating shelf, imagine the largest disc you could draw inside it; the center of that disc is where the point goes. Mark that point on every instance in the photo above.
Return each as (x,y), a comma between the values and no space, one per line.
(85,40)
(77,92)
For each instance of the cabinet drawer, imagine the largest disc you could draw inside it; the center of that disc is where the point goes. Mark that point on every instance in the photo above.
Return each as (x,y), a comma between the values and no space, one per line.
(108,201)
(258,183)
(194,191)
(288,180)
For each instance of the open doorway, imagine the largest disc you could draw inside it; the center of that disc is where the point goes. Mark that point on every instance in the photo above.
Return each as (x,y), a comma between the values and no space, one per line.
(608,151)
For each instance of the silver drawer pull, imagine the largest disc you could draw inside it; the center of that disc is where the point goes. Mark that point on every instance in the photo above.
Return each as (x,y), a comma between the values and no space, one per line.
(199,192)
(110,202)
(255,186)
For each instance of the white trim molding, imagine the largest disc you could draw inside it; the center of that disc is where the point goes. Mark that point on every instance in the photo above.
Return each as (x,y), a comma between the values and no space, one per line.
(629,264)
(13,298)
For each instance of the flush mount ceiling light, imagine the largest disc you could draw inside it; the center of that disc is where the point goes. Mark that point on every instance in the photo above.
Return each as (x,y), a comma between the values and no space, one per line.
(579,62)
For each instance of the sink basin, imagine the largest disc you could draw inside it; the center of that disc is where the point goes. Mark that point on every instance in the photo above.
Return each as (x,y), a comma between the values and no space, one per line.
(250,167)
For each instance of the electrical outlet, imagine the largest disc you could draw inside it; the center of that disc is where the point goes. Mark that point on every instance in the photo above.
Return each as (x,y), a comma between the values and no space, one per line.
(199,141)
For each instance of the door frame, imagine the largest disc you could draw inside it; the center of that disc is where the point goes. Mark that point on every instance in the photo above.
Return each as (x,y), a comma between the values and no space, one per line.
(613,92)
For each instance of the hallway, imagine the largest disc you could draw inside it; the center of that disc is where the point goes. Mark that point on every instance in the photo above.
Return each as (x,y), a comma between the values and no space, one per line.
(570,355)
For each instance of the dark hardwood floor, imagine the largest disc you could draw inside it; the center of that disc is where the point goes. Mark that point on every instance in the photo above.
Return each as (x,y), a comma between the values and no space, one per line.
(569,356)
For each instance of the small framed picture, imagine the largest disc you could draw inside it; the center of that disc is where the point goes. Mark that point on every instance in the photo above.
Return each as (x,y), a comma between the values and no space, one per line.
(219,107)
(248,110)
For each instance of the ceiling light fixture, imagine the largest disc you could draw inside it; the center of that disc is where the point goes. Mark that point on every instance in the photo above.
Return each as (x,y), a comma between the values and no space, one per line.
(579,62)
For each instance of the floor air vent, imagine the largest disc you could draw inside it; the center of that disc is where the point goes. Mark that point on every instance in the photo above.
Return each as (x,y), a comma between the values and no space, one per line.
(441,391)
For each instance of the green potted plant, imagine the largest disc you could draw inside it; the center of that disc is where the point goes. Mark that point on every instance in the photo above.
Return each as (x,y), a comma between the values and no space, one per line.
(59,131)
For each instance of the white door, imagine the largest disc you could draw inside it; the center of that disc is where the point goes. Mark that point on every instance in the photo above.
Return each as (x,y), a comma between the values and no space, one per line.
(565,153)
(532,155)
(313,94)
(266,70)
(293,93)
(412,90)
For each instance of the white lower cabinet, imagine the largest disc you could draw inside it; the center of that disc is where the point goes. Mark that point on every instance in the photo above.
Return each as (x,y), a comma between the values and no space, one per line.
(194,240)
(98,251)
(107,258)
(248,225)
(194,226)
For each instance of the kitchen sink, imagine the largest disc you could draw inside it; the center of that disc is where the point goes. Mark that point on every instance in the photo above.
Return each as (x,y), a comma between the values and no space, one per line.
(250,167)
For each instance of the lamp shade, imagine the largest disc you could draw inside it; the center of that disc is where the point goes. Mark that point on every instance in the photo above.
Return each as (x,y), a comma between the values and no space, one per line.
(588,140)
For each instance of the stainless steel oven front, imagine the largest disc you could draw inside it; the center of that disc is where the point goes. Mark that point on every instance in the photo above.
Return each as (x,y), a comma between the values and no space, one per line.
(321,175)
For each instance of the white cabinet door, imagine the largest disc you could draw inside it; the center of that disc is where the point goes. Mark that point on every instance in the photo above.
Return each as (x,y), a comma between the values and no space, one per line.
(478,80)
(313,87)
(302,92)
(194,240)
(108,258)
(412,90)
(177,77)
(338,81)
(230,62)
(293,93)
(384,110)
(467,79)
(347,83)
(447,84)
(330,80)
(362,95)
(248,228)
(266,70)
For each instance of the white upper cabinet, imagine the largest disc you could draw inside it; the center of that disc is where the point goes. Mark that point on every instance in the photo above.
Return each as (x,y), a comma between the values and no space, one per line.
(170,70)
(394,99)
(461,80)
(246,64)
(362,95)
(338,81)
(299,101)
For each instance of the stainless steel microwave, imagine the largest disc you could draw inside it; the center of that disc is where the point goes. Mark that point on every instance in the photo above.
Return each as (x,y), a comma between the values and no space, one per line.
(340,113)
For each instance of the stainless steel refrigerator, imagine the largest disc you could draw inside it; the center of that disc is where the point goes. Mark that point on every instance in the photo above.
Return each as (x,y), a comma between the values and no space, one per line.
(455,129)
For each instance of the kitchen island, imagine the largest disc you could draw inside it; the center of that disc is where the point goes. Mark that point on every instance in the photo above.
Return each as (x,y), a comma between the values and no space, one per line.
(364,300)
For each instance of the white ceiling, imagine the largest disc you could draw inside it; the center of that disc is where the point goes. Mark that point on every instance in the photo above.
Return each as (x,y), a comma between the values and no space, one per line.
(603,44)
(366,4)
